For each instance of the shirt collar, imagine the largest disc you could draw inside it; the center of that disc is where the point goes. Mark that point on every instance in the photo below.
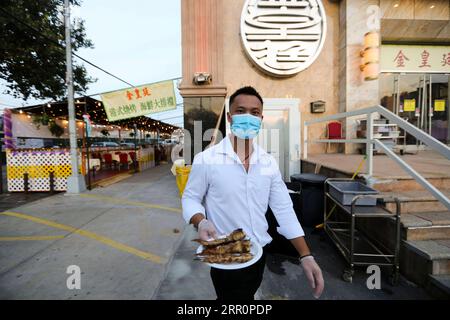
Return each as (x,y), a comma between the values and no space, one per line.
(225,147)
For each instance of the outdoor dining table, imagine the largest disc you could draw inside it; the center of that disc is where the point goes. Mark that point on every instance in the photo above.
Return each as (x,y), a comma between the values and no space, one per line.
(116,157)
(94,162)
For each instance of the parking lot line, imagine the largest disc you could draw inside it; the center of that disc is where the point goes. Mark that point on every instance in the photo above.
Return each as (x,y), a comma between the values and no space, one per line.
(125,201)
(112,243)
(31,238)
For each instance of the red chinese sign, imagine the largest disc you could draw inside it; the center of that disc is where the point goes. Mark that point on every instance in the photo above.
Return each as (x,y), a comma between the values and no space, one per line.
(446,59)
(400,59)
(425,59)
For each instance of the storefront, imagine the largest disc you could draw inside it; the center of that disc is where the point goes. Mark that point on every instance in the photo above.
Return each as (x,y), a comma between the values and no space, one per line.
(414,85)
(304,57)
(37,145)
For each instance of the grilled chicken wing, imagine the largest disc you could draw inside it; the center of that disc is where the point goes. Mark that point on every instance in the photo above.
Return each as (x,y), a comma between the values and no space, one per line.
(236,235)
(240,246)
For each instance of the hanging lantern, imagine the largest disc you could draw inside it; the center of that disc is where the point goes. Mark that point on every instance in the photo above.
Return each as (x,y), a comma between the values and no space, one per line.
(371,71)
(372,39)
(370,55)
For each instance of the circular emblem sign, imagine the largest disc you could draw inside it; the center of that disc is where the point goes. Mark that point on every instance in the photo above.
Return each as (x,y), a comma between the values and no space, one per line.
(283,37)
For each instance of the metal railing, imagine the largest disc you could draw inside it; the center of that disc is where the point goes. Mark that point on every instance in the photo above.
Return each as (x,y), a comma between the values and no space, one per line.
(427,139)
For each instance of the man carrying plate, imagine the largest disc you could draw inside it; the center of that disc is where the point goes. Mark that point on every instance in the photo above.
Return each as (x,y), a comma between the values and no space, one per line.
(230,186)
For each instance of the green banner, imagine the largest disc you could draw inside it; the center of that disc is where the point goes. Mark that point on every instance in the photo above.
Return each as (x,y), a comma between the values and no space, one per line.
(139,101)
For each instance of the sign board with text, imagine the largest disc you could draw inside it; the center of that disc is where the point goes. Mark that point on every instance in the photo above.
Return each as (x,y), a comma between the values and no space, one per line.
(415,59)
(439,105)
(410,105)
(139,101)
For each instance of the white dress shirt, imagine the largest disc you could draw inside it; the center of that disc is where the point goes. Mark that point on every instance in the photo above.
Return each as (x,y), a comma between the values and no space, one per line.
(220,188)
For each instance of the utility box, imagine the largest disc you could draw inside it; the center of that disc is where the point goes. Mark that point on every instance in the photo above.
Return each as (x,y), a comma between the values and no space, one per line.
(318,106)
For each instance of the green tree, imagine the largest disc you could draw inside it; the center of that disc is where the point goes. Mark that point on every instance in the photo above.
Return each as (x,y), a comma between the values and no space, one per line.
(32,49)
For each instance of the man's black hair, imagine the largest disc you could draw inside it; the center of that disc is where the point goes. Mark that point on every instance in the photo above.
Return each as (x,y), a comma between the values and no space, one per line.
(249,91)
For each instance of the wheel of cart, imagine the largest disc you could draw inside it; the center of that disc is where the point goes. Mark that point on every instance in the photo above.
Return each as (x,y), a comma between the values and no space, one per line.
(394,277)
(347,275)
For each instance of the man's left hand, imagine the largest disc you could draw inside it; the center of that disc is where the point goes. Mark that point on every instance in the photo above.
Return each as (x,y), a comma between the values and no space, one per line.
(313,274)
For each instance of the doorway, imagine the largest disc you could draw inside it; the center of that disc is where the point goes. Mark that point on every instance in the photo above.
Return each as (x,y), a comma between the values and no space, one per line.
(421,99)
(280,134)
(273,137)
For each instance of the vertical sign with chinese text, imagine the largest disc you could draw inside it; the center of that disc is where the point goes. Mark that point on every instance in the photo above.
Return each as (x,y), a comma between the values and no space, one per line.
(417,59)
(139,101)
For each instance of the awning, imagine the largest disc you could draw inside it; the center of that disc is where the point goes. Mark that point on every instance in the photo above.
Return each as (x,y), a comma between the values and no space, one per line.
(97,114)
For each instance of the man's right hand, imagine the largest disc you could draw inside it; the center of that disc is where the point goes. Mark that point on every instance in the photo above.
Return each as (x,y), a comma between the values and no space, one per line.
(206,230)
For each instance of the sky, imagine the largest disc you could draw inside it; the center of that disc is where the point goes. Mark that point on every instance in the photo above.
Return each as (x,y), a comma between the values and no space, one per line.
(137,40)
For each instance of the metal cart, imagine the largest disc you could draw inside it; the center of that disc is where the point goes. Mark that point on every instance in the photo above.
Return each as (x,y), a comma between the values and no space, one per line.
(355,246)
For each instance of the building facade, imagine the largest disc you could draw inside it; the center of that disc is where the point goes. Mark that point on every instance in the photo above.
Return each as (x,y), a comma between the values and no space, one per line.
(311,58)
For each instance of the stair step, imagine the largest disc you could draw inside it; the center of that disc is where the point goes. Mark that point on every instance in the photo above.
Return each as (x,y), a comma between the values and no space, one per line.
(435,251)
(410,220)
(439,286)
(427,233)
(421,259)
(393,184)
(439,218)
(415,201)
(426,225)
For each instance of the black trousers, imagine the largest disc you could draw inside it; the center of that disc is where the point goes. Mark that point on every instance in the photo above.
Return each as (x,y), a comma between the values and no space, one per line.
(239,284)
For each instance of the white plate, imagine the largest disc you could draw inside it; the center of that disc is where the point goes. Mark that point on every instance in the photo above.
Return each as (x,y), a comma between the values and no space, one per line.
(255,249)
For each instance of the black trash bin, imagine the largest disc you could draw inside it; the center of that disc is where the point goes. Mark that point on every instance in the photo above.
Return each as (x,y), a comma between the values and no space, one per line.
(311,198)
(280,244)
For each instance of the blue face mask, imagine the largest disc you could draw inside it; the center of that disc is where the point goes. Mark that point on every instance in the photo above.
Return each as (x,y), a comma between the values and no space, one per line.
(245,126)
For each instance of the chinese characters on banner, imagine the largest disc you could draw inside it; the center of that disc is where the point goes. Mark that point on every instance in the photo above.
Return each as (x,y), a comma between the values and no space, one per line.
(139,101)
(420,59)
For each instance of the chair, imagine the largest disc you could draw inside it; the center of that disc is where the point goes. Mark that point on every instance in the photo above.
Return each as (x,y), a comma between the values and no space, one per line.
(124,160)
(108,159)
(94,155)
(334,132)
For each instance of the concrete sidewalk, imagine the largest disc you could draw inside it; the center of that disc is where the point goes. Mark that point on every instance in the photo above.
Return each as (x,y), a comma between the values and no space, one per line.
(283,277)
(130,242)
(122,238)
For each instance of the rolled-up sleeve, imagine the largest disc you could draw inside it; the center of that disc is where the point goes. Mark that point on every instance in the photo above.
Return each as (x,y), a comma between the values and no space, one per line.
(195,190)
(281,204)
